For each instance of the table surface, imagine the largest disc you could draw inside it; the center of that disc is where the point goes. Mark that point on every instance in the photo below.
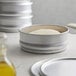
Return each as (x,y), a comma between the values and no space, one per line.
(23,60)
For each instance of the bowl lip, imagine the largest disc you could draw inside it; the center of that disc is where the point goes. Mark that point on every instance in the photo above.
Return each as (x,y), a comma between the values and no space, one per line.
(20,30)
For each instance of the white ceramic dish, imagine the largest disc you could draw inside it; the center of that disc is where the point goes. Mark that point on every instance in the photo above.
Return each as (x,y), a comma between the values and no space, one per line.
(15,21)
(46,43)
(12,29)
(43,39)
(36,68)
(19,26)
(59,67)
(15,6)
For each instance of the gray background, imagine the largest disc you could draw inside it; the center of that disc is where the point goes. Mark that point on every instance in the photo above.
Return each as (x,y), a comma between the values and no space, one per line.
(54,11)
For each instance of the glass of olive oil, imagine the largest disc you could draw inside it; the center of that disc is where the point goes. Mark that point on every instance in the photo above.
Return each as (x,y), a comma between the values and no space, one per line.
(6,67)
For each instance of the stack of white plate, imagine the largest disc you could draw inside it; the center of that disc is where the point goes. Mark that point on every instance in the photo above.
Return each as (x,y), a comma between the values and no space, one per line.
(15,15)
(55,67)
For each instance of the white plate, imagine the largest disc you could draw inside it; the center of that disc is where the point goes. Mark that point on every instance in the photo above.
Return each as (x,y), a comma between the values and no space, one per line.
(12,29)
(15,7)
(59,67)
(15,26)
(15,21)
(35,69)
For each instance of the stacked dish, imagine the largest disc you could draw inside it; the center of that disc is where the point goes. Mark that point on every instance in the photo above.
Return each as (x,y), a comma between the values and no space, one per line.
(48,42)
(55,67)
(15,15)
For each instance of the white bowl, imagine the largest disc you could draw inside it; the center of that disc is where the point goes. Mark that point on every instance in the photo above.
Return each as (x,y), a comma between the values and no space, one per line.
(52,43)
(15,7)
(15,21)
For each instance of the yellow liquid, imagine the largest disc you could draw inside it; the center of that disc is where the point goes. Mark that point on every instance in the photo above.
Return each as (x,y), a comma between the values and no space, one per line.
(6,69)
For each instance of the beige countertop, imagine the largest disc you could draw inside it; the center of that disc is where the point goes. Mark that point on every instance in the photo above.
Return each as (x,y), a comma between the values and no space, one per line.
(23,60)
